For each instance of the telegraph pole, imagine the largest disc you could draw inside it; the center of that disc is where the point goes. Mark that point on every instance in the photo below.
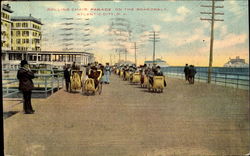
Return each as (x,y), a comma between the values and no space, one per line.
(110,57)
(125,53)
(135,48)
(154,38)
(213,13)
(135,55)
(119,54)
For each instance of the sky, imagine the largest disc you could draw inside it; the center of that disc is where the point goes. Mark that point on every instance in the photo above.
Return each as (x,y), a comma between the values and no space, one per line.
(182,36)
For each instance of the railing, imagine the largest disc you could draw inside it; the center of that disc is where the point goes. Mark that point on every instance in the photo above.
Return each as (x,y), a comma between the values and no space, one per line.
(44,84)
(235,80)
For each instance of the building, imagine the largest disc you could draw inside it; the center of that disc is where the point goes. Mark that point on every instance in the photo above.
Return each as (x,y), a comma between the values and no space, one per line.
(21,39)
(26,33)
(237,62)
(6,26)
(157,62)
(56,59)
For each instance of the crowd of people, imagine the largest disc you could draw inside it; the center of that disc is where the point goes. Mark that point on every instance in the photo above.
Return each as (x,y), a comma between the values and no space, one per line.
(91,70)
(98,72)
(143,70)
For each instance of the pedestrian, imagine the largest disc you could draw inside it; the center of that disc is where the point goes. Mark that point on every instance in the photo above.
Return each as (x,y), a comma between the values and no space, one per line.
(88,69)
(25,76)
(101,67)
(74,66)
(107,73)
(186,70)
(67,77)
(192,72)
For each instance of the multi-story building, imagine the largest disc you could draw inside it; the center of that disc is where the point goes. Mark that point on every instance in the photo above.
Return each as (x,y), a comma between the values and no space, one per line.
(21,39)
(26,33)
(6,26)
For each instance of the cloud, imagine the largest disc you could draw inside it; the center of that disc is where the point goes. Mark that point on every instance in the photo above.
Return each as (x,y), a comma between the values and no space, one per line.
(89,5)
(234,7)
(52,4)
(230,40)
(156,27)
(184,38)
(223,30)
(182,12)
(104,46)
(101,30)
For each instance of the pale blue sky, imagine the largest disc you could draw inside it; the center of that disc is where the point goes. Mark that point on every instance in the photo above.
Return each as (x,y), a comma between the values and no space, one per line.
(184,37)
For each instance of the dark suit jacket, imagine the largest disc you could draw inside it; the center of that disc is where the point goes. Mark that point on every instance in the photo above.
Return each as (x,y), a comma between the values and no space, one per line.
(25,79)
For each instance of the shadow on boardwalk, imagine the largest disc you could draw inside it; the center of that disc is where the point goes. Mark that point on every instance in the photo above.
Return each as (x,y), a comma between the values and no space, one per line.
(125,120)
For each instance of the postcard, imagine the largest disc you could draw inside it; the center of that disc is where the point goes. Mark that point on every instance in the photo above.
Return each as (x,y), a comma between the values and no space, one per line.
(125,78)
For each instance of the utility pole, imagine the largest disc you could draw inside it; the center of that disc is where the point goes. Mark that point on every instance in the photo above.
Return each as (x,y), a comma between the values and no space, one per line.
(119,55)
(114,58)
(154,38)
(110,57)
(135,48)
(135,54)
(213,13)
(125,54)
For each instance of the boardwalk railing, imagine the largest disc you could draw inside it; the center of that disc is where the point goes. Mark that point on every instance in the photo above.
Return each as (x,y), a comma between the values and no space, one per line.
(235,80)
(44,84)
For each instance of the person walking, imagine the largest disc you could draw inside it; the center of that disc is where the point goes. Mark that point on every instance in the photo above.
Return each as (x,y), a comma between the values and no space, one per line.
(186,71)
(192,72)
(67,77)
(107,73)
(25,76)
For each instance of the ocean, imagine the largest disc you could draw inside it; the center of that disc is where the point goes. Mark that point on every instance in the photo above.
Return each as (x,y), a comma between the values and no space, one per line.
(234,77)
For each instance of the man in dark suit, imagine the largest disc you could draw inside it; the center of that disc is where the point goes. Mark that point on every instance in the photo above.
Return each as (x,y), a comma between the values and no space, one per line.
(186,71)
(25,76)
(67,77)
(192,72)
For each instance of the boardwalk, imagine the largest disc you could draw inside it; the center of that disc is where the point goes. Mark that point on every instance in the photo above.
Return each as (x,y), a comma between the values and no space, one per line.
(126,120)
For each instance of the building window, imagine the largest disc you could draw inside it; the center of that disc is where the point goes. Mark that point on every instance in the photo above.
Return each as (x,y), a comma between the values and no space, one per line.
(18,41)
(27,40)
(25,33)
(18,33)
(24,25)
(18,24)
(34,34)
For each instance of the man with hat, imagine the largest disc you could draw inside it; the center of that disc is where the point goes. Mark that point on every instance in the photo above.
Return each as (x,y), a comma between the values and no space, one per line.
(25,76)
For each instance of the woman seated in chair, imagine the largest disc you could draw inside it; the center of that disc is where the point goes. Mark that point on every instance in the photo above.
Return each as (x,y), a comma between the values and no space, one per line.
(158,72)
(95,74)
